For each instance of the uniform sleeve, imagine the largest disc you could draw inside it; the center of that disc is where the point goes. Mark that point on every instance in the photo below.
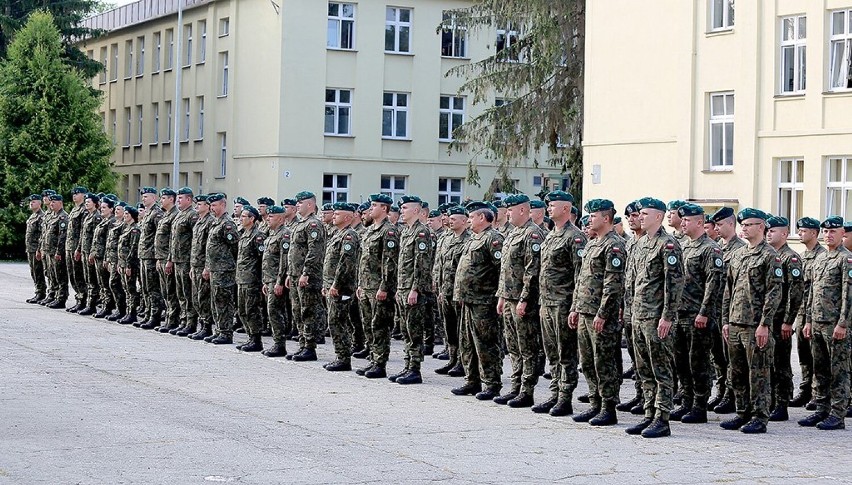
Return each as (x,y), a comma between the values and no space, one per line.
(774,289)
(795,289)
(532,265)
(846,295)
(728,283)
(61,236)
(578,249)
(390,258)
(316,250)
(347,264)
(673,281)
(809,301)
(422,255)
(806,291)
(234,240)
(612,292)
(715,267)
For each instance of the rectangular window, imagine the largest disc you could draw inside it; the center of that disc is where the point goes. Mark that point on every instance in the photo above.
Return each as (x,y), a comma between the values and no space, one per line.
(721,131)
(223,82)
(453,37)
(128,59)
(341,25)
(449,190)
(507,46)
(791,184)
(450,117)
(202,44)
(721,14)
(170,49)
(169,125)
(113,125)
(200,102)
(186,119)
(139,125)
(103,74)
(335,188)
(839,186)
(338,110)
(793,34)
(140,55)
(224,27)
(840,44)
(155,129)
(398,30)
(223,154)
(187,45)
(113,67)
(393,186)
(395,115)
(158,49)
(128,122)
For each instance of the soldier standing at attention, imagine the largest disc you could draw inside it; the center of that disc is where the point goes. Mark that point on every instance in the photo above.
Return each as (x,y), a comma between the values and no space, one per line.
(73,256)
(249,259)
(128,262)
(180,254)
(197,260)
(782,326)
(597,295)
(274,273)
(377,283)
(656,289)
(31,242)
(116,287)
(50,287)
(165,268)
(53,248)
(90,219)
(339,280)
(674,220)
(703,271)
(635,405)
(808,230)
(97,255)
(475,289)
(561,258)
(537,209)
(752,296)
(518,302)
(148,263)
(447,258)
(263,205)
(827,317)
(220,267)
(290,221)
(304,265)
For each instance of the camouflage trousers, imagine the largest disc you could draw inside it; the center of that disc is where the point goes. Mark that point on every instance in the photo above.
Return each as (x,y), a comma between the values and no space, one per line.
(59,272)
(116,288)
(277,310)
(92,293)
(654,358)
(378,319)
(523,336)
(831,370)
(631,351)
(412,319)
(719,353)
(450,311)
(150,287)
(308,314)
(782,370)
(75,274)
(183,289)
(130,289)
(432,317)
(49,276)
(597,356)
(105,294)
(169,292)
(249,303)
(37,275)
(340,326)
(806,359)
(692,361)
(359,338)
(222,308)
(750,371)
(560,347)
(479,347)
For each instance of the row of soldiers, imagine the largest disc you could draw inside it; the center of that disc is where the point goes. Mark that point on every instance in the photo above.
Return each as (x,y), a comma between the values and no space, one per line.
(699,297)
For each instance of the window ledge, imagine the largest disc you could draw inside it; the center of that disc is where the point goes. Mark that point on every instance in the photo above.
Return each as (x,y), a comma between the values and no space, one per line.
(334,135)
(200,63)
(198,139)
(220,96)
(798,95)
(221,177)
(154,72)
(138,145)
(394,138)
(113,81)
(140,75)
(456,58)
(223,35)
(167,69)
(340,49)
(125,146)
(719,31)
(182,142)
(186,66)
(728,169)
(153,144)
(395,53)
(839,92)
(101,83)
(127,78)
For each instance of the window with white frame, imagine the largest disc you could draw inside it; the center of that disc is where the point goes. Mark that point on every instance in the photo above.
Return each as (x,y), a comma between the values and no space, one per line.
(453,37)
(223,154)
(223,74)
(113,121)
(839,186)
(721,14)
(224,27)
(338,111)
(155,128)
(140,55)
(721,131)
(840,50)
(202,44)
(199,101)
(393,186)
(395,115)
(335,188)
(450,116)
(128,122)
(169,126)
(187,45)
(507,44)
(103,74)
(139,127)
(158,50)
(128,59)
(791,184)
(793,52)
(187,117)
(341,25)
(170,54)
(449,190)
(113,66)
(398,30)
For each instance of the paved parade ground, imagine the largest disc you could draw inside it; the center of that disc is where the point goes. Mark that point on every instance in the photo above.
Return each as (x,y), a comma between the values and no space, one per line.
(88,401)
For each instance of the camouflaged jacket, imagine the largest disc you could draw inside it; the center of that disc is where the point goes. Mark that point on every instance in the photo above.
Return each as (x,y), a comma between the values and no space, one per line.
(340,267)
(561,260)
(599,287)
(829,299)
(753,286)
(377,266)
(479,268)
(520,264)
(657,282)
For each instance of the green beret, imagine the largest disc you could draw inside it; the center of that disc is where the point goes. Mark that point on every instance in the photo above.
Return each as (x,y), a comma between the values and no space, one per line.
(215,197)
(363,207)
(434,213)
(708,219)
(79,190)
(304,195)
(354,206)
(35,197)
(408,199)
(140,206)
(777,221)
(286,202)
(832,222)
(751,213)
(498,203)
(168,191)
(56,197)
(847,227)
(476,205)
(275,209)
(394,208)
(381,199)
(134,213)
(807,223)
(559,195)
(93,197)
(328,206)
(201,198)
(722,214)
(516,199)
(109,202)
(265,201)
(424,204)
(241,200)
(537,204)
(121,204)
(575,210)
(456,210)
(111,196)
(650,203)
(687,210)
(615,220)
(252,210)
(47,192)
(340,206)
(631,208)
(584,221)
(148,190)
(184,191)
(675,204)
(597,205)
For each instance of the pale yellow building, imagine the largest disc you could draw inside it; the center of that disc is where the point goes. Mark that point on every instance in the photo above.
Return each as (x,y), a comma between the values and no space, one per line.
(742,103)
(341,98)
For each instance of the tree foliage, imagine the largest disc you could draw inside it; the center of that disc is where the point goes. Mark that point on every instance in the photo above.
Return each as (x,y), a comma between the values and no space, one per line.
(540,73)
(50,133)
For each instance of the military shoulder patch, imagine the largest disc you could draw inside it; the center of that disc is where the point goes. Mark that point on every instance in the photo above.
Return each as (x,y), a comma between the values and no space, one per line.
(669,245)
(717,250)
(795,273)
(794,260)
(672,260)
(347,237)
(421,234)
(616,249)
(778,272)
(496,243)
(534,236)
(347,247)
(391,233)
(777,259)
(313,224)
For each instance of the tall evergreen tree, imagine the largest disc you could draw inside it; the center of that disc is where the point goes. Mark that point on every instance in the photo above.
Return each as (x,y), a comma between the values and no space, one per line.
(50,133)
(538,67)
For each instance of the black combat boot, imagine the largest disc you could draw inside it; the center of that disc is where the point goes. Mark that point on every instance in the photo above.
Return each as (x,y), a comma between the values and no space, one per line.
(222,339)
(755,426)
(658,428)
(545,407)
(277,350)
(488,394)
(128,319)
(802,398)
(86,311)
(694,416)
(339,365)
(607,416)
(628,405)
(779,413)
(831,423)
(507,397)
(412,377)
(467,389)
(734,423)
(639,427)
(255,344)
(376,372)
(586,415)
(457,370)
(563,407)
(812,420)
(306,355)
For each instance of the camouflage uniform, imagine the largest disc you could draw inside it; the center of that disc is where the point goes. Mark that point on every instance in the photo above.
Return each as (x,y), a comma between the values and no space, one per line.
(829,304)
(703,273)
(128,258)
(221,262)
(249,296)
(197,259)
(180,254)
(561,259)
(433,319)
(286,235)
(519,269)
(31,241)
(655,290)
(627,310)
(93,289)
(98,252)
(148,264)
(752,295)
(475,288)
(305,257)
(274,273)
(74,269)
(803,345)
(791,301)
(413,273)
(720,347)
(447,256)
(162,243)
(598,292)
(377,271)
(49,275)
(116,287)
(53,246)
(340,271)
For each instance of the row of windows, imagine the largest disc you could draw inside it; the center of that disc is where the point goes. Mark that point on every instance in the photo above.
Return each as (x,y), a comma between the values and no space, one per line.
(335,187)
(791,186)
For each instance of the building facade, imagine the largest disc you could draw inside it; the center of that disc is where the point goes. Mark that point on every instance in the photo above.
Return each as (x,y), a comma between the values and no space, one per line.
(341,98)
(721,102)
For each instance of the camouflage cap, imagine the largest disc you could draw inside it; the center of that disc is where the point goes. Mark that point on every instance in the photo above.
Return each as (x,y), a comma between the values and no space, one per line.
(252,210)
(381,199)
(275,209)
(777,221)
(80,190)
(265,201)
(456,210)
(304,195)
(201,198)
(408,199)
(687,210)
(559,196)
(675,204)
(832,222)
(597,205)
(807,223)
(184,191)
(516,199)
(537,204)
(241,200)
(56,197)
(168,191)
(722,214)
(651,203)
(751,213)
(434,213)
(215,197)
(148,190)
(288,202)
